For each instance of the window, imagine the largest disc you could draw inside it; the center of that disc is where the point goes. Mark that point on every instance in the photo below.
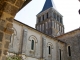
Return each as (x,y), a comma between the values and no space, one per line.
(57,18)
(32,45)
(60,53)
(69,50)
(39,19)
(43,17)
(49,47)
(49,50)
(60,20)
(47,15)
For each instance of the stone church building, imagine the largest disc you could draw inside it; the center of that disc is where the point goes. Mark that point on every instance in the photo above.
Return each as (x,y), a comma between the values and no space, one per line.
(47,41)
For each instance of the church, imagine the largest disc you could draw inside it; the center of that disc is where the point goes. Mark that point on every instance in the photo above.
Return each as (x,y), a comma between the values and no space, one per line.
(47,41)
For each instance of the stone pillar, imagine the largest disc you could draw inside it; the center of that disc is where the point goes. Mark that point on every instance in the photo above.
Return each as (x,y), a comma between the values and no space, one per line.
(8,10)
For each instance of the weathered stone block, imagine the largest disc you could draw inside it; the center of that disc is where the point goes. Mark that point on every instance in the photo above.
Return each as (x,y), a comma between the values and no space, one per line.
(0,45)
(9,31)
(2,5)
(0,13)
(1,36)
(5,52)
(2,28)
(10,25)
(2,22)
(11,1)
(10,19)
(11,9)
(3,57)
(19,3)
(0,52)
(8,37)
(6,45)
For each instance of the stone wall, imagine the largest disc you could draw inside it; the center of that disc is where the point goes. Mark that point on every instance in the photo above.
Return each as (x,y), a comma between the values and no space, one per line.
(21,44)
(8,10)
(73,40)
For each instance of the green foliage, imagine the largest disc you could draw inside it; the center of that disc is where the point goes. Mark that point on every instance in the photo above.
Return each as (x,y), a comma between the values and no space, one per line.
(13,58)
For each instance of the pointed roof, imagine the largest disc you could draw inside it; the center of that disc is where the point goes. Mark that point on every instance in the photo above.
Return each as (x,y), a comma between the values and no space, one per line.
(48,4)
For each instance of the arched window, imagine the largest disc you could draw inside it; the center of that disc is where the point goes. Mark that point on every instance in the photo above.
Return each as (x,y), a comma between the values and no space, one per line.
(49,49)
(32,45)
(69,50)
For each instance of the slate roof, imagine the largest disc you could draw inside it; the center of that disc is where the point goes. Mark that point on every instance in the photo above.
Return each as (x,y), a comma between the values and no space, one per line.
(48,4)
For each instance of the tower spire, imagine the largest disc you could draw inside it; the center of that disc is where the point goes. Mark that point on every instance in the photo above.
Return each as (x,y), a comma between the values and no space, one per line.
(48,4)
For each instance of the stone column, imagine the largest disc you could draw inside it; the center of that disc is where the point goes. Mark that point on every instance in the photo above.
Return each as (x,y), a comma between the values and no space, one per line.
(8,10)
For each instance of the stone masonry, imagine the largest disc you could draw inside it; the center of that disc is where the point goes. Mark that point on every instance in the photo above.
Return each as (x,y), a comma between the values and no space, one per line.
(8,10)
(73,40)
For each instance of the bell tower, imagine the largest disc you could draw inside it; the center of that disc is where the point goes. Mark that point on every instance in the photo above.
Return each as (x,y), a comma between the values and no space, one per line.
(49,20)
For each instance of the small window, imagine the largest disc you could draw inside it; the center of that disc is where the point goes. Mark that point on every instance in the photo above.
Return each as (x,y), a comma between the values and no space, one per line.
(60,20)
(39,19)
(47,15)
(43,17)
(60,53)
(32,45)
(69,50)
(49,50)
(57,18)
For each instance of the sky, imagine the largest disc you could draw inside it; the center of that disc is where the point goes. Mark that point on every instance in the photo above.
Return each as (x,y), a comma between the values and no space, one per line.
(68,9)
